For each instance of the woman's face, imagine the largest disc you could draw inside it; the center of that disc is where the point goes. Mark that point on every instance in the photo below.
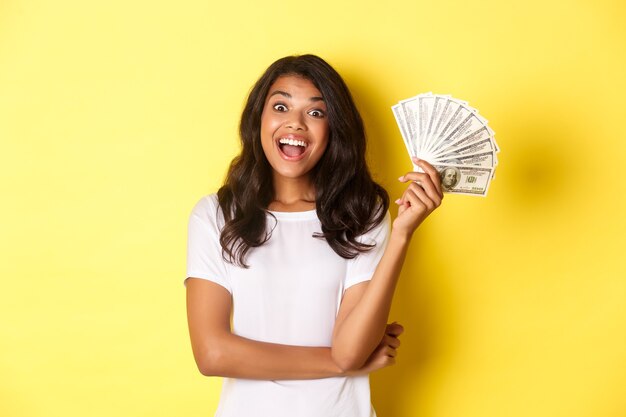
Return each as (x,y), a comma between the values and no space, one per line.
(294,126)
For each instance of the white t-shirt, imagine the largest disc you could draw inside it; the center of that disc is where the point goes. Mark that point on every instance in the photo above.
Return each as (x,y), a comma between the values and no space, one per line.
(290,295)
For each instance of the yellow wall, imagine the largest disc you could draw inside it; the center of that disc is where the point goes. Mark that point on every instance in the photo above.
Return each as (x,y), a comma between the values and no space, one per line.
(117,116)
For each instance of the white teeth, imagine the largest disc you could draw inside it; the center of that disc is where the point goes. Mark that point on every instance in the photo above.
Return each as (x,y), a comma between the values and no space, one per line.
(292,142)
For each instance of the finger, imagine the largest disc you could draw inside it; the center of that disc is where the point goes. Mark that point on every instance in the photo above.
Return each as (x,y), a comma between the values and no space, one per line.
(414,176)
(394,329)
(391,352)
(432,173)
(394,342)
(418,198)
(403,202)
(431,189)
(432,193)
(427,183)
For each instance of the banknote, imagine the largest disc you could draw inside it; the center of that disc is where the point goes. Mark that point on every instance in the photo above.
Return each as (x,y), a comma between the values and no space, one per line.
(480,146)
(485,159)
(462,179)
(451,135)
(398,113)
(439,104)
(458,117)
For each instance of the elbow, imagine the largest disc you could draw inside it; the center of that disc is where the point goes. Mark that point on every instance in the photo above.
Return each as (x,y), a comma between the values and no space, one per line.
(209,361)
(346,360)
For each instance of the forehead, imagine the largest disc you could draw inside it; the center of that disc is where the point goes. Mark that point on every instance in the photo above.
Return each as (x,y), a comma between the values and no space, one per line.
(295,86)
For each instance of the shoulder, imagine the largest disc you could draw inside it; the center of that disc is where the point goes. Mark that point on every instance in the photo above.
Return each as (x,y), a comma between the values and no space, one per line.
(207,209)
(205,205)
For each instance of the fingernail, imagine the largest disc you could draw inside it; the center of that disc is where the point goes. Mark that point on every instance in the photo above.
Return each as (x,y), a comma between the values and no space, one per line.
(397,201)
(401,178)
(416,159)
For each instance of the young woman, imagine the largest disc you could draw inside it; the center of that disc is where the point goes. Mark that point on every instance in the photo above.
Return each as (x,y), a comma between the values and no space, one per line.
(298,247)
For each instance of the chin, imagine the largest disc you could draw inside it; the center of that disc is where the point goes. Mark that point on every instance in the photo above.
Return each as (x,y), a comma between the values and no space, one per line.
(292,174)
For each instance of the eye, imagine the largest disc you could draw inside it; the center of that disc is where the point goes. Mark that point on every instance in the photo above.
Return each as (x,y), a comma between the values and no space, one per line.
(280,107)
(317,113)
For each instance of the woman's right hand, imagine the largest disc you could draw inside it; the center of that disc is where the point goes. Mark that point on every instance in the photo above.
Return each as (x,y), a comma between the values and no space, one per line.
(421,197)
(385,353)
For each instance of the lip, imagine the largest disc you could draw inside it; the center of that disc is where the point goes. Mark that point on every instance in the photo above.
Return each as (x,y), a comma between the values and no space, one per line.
(292,137)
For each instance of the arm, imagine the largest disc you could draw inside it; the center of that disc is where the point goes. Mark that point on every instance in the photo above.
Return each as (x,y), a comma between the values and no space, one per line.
(218,352)
(363,315)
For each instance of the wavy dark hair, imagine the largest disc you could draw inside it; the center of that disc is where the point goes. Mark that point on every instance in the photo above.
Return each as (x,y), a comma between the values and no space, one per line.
(348,201)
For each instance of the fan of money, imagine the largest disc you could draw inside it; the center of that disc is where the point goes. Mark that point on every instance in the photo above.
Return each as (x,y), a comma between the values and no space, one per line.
(451,136)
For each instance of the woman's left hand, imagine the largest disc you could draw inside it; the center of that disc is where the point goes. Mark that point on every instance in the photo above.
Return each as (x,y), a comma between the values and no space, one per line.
(385,353)
(422,196)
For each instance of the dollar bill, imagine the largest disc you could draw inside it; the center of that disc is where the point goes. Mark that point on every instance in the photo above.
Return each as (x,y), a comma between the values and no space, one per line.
(485,160)
(458,112)
(404,131)
(481,146)
(438,109)
(462,179)
(410,108)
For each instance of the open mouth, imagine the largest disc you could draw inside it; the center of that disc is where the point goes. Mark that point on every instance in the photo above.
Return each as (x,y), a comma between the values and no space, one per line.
(292,148)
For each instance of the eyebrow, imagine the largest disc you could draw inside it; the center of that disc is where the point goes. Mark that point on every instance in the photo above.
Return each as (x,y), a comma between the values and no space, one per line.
(285,94)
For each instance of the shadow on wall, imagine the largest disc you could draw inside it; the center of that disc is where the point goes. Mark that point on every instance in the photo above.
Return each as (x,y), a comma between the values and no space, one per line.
(539,176)
(545,173)
(542,169)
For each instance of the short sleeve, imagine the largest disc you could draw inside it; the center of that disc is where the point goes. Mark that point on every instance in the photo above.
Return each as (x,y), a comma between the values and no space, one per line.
(204,253)
(362,267)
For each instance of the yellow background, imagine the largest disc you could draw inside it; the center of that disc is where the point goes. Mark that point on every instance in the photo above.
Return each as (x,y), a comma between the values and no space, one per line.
(117,116)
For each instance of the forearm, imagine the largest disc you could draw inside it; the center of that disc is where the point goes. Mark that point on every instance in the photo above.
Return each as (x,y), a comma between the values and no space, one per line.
(238,357)
(361,331)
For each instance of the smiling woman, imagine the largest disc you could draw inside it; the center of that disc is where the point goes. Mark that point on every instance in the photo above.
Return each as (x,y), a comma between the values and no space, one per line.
(306,330)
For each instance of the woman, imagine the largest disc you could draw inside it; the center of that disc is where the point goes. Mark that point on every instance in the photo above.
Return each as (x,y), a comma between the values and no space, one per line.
(298,246)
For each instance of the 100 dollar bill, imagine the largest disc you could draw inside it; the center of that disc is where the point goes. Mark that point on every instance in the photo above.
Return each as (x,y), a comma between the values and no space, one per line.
(463,179)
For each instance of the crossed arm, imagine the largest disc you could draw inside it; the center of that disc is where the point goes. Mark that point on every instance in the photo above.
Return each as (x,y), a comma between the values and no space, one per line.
(218,352)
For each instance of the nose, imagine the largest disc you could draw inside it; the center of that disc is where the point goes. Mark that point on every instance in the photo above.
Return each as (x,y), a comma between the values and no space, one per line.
(296,122)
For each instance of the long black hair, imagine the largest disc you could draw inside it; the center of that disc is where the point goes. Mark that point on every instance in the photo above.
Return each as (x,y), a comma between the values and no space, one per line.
(348,201)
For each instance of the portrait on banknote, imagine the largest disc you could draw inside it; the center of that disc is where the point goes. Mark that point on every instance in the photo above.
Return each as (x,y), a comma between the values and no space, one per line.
(450,177)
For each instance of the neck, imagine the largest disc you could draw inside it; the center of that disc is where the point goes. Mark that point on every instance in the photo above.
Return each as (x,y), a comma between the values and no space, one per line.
(293,194)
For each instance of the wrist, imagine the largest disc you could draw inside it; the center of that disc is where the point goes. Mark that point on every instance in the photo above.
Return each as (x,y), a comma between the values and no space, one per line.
(400,236)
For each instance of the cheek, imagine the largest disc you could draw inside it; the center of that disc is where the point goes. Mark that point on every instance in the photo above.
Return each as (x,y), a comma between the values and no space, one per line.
(270,121)
(266,135)
(267,129)
(264,122)
(323,132)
